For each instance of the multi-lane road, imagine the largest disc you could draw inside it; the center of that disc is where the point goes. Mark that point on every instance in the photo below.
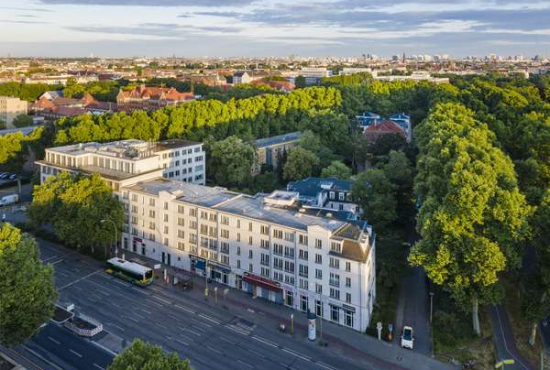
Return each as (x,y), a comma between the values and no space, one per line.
(210,338)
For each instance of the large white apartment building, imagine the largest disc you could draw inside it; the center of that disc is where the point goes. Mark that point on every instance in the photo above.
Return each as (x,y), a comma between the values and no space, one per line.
(125,162)
(266,245)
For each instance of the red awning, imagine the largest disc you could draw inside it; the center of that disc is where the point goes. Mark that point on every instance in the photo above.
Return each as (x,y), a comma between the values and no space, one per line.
(262,282)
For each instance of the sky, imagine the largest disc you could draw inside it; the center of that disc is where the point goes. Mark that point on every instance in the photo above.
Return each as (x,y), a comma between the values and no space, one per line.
(234,28)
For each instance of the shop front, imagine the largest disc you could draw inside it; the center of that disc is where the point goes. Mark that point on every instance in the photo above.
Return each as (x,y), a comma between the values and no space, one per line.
(264,288)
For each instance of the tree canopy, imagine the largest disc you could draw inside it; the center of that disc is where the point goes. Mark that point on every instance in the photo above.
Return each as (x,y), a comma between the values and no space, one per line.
(75,206)
(27,289)
(145,356)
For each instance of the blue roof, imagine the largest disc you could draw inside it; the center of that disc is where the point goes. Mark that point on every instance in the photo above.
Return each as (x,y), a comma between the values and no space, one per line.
(370,114)
(400,116)
(312,186)
(280,139)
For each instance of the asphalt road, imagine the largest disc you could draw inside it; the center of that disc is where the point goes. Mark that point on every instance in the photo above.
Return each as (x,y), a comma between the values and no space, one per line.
(209,337)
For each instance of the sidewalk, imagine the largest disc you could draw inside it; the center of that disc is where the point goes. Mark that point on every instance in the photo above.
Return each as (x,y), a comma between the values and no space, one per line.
(269,315)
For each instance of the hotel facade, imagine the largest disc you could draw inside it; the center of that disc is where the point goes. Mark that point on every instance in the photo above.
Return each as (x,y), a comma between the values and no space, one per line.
(267,245)
(264,244)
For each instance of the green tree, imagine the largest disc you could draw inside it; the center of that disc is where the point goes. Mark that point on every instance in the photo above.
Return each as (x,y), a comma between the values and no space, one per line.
(376,195)
(27,289)
(75,206)
(145,356)
(231,161)
(22,120)
(301,163)
(2,125)
(300,82)
(337,169)
(473,217)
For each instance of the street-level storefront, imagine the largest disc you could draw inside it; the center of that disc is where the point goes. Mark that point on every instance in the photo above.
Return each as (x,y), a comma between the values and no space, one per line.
(198,265)
(219,273)
(262,287)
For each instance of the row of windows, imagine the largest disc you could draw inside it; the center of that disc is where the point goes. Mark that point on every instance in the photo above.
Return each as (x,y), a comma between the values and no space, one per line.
(176,153)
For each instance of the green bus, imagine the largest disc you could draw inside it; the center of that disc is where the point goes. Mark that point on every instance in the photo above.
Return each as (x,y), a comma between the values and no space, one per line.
(130,271)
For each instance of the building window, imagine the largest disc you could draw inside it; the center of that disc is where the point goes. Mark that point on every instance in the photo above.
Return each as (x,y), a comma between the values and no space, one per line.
(318,259)
(304,270)
(348,297)
(289,252)
(303,303)
(334,313)
(335,247)
(192,212)
(318,274)
(224,259)
(318,288)
(181,221)
(334,280)
(250,254)
(348,318)
(238,251)
(318,308)
(302,254)
(224,220)
(264,272)
(334,293)
(264,244)
(289,266)
(318,243)
(277,249)
(331,195)
(264,259)
(289,237)
(264,230)
(348,266)
(348,282)
(224,233)
(277,234)
(302,239)
(341,196)
(334,263)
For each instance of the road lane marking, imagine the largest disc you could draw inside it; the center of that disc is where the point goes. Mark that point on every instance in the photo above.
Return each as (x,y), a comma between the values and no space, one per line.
(235,329)
(209,319)
(214,350)
(226,340)
(82,278)
(144,310)
(305,358)
(56,262)
(53,340)
(49,258)
(161,299)
(155,303)
(40,357)
(161,326)
(199,329)
(184,308)
(264,341)
(193,332)
(201,323)
(99,367)
(121,282)
(256,353)
(325,366)
(246,364)
(182,342)
(104,293)
(76,353)
(116,326)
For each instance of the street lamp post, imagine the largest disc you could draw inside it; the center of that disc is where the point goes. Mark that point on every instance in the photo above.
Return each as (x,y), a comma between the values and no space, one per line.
(431,306)
(116,241)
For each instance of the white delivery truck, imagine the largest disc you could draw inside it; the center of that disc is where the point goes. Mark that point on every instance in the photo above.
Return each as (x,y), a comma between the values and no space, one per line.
(8,200)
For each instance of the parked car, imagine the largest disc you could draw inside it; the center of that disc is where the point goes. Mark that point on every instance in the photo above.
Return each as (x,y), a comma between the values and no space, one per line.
(407,338)
(5,175)
(12,177)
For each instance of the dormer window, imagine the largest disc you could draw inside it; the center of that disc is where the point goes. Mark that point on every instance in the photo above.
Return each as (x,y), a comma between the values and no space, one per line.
(335,247)
(331,195)
(341,196)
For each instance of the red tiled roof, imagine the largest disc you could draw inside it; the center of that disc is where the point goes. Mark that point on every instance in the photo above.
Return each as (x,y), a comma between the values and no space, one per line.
(43,103)
(386,126)
(68,111)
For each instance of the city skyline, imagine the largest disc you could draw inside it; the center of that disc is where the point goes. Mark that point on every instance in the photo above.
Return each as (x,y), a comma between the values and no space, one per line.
(126,28)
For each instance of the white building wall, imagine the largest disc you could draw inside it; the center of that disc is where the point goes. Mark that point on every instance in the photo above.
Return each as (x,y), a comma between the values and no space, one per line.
(181,251)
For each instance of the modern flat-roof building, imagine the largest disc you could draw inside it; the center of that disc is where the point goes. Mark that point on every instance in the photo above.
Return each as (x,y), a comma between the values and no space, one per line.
(267,245)
(125,162)
(10,108)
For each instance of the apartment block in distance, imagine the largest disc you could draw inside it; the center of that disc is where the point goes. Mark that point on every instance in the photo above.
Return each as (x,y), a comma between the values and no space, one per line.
(11,108)
(126,162)
(266,245)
